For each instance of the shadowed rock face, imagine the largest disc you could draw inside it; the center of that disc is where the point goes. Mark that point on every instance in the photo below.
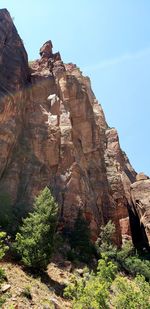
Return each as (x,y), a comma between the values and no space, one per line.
(14,76)
(140,194)
(13,57)
(54,132)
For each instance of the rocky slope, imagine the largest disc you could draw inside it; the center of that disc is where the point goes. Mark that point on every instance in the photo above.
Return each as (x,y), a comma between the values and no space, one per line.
(22,290)
(53,132)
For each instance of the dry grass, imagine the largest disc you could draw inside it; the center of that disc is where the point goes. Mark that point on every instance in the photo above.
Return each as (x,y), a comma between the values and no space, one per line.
(43,292)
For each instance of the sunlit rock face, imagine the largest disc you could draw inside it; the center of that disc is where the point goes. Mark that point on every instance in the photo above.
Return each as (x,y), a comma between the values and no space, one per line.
(53,132)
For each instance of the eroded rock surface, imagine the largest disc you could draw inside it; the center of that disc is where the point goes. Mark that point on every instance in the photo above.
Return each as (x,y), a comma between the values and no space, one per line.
(14,77)
(54,132)
(140,193)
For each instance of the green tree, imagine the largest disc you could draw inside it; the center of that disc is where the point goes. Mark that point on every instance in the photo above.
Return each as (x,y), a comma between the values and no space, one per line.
(34,242)
(6,211)
(80,239)
(105,244)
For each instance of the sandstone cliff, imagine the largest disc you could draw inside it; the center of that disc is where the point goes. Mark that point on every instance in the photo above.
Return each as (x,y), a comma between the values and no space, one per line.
(53,132)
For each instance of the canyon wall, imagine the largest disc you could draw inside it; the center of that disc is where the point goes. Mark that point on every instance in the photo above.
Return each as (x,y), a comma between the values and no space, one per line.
(53,133)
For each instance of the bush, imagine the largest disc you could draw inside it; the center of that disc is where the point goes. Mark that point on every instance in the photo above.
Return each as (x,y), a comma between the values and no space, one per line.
(126,251)
(133,294)
(92,291)
(104,290)
(2,300)
(126,258)
(134,265)
(3,247)
(34,242)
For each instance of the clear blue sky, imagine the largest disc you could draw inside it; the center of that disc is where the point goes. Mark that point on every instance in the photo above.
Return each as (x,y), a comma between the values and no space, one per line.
(110,41)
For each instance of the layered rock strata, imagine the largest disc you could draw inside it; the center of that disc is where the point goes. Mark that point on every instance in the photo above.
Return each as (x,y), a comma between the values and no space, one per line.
(54,132)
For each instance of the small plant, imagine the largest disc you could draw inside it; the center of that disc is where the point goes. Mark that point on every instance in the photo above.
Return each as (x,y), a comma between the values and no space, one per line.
(11,306)
(27,292)
(2,275)
(3,247)
(47,304)
(2,300)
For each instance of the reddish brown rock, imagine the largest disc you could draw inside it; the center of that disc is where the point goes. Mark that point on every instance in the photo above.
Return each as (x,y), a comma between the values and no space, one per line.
(141,176)
(46,50)
(14,78)
(125,229)
(54,133)
(140,193)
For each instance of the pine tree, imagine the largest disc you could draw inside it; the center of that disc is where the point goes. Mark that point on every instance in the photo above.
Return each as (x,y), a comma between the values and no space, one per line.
(34,242)
(80,239)
(80,236)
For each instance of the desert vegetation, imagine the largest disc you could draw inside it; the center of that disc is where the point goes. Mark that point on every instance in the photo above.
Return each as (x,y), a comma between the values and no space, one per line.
(110,277)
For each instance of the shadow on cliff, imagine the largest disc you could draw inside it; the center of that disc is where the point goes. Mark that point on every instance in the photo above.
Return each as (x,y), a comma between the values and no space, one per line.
(138,233)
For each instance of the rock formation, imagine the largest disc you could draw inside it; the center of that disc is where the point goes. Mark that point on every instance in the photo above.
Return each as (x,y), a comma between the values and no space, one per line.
(140,194)
(53,132)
